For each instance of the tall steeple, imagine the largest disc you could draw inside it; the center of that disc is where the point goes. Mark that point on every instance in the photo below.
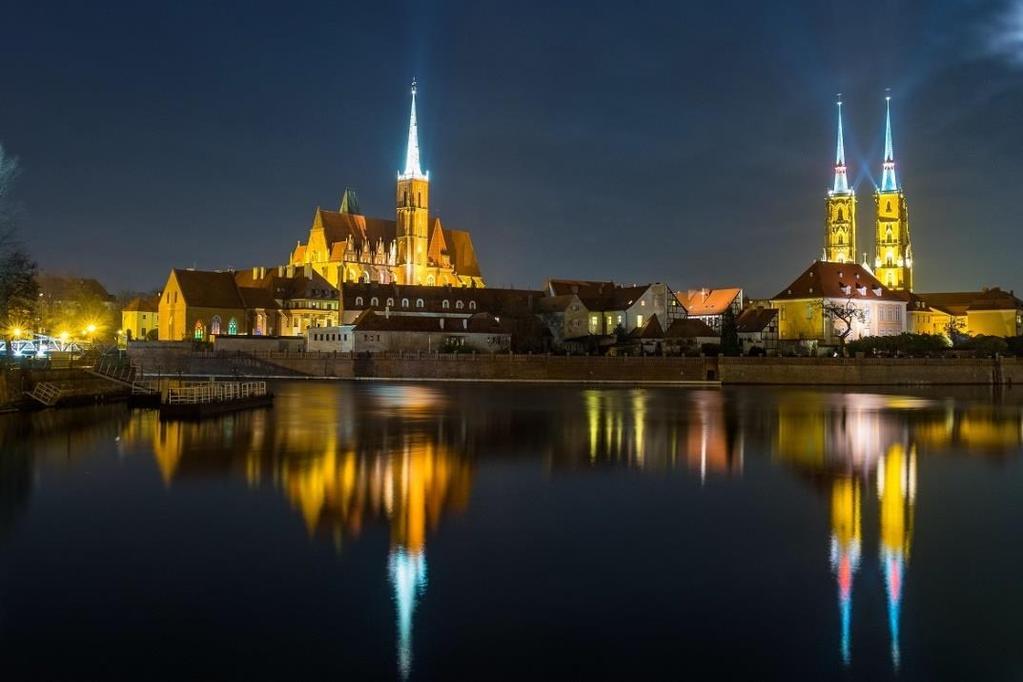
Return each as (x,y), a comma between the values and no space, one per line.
(412,166)
(888,183)
(893,256)
(840,221)
(841,180)
(412,202)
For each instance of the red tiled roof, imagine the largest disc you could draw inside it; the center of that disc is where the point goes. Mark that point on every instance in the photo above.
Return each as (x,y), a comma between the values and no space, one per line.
(755,319)
(689,328)
(207,289)
(707,301)
(838,280)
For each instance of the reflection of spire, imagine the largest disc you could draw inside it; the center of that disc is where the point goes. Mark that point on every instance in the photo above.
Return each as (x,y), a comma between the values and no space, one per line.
(407,572)
(841,185)
(888,183)
(845,552)
(896,490)
(412,167)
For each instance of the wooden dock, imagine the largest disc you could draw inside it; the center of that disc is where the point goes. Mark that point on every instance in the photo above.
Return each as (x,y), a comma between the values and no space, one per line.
(194,400)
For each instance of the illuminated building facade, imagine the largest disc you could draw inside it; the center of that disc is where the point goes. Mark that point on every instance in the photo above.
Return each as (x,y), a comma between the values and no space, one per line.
(346,246)
(840,207)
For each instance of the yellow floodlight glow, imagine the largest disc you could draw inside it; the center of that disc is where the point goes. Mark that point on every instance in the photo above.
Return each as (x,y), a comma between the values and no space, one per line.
(63,336)
(16,332)
(91,329)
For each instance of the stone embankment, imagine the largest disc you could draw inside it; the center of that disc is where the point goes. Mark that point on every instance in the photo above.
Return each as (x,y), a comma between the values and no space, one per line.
(170,361)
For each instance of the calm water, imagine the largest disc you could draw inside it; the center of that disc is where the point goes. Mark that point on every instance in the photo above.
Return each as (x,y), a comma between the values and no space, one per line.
(432,531)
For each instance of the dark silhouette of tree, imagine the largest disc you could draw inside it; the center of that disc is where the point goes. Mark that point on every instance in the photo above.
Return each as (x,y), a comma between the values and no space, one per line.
(844,313)
(729,335)
(18,287)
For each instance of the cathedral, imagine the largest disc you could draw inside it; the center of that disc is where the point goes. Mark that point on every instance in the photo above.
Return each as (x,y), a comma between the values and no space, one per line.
(413,248)
(893,252)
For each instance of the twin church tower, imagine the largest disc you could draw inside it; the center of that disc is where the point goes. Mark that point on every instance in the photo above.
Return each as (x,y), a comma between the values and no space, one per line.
(893,253)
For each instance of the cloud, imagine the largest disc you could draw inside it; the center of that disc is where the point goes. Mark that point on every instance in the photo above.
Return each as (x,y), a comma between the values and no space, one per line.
(1005,35)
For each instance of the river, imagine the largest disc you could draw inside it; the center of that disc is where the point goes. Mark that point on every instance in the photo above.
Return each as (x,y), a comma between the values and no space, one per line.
(452,531)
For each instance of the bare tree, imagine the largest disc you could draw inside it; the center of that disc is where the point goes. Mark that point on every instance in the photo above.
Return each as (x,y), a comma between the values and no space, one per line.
(18,286)
(846,313)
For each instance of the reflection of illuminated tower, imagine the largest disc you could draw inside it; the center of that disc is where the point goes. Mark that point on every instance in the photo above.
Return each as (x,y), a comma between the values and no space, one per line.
(407,571)
(896,492)
(845,550)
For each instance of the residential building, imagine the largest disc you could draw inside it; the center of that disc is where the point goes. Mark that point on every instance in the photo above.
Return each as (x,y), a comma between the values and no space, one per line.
(139,318)
(611,305)
(709,305)
(565,316)
(758,328)
(990,311)
(687,336)
(802,306)
(374,332)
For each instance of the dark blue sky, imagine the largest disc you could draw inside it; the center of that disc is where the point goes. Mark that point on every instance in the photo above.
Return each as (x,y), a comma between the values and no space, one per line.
(638,141)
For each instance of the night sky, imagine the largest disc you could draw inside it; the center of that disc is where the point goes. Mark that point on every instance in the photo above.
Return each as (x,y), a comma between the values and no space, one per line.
(628,141)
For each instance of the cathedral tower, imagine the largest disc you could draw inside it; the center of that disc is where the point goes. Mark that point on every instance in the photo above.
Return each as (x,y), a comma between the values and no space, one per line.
(840,227)
(893,258)
(413,200)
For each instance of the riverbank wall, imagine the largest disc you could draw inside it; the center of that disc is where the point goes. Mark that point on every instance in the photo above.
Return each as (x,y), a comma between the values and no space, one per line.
(168,361)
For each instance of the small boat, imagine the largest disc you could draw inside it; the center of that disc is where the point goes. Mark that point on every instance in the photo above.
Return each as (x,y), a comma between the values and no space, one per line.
(195,400)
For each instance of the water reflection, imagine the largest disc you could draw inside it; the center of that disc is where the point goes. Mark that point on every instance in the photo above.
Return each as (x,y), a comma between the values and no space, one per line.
(404,458)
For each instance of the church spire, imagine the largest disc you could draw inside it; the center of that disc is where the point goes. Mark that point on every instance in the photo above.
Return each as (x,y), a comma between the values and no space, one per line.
(841,185)
(888,183)
(412,167)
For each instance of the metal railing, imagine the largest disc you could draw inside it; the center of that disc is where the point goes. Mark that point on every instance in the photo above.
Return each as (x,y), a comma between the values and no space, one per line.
(215,391)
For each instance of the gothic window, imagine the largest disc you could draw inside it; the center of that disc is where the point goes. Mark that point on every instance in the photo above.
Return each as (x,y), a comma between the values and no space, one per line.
(200,331)
(365,278)
(840,215)
(431,281)
(404,198)
(259,323)
(888,234)
(419,199)
(232,326)
(215,325)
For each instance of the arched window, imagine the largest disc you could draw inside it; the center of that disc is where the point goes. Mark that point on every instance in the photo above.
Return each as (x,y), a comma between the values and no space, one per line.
(404,303)
(431,281)
(472,305)
(374,301)
(232,326)
(215,325)
(445,304)
(459,305)
(358,301)
(840,216)
(260,324)
(200,331)
(365,278)
(419,303)
(390,303)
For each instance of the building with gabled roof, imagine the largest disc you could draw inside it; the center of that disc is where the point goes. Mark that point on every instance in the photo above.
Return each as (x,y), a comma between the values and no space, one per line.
(757,327)
(140,317)
(710,305)
(612,306)
(802,305)
(414,248)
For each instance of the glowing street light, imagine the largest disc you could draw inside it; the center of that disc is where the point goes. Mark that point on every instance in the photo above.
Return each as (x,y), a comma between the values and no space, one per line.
(16,332)
(91,329)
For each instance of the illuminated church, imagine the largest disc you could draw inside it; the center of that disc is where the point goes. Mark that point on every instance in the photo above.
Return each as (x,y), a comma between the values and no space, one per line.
(414,248)
(893,251)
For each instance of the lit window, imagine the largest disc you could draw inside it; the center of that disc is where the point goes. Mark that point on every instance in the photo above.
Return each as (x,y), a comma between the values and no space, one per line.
(419,303)
(374,301)
(404,303)
(445,304)
(232,326)
(459,305)
(639,320)
(472,305)
(215,325)
(358,300)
